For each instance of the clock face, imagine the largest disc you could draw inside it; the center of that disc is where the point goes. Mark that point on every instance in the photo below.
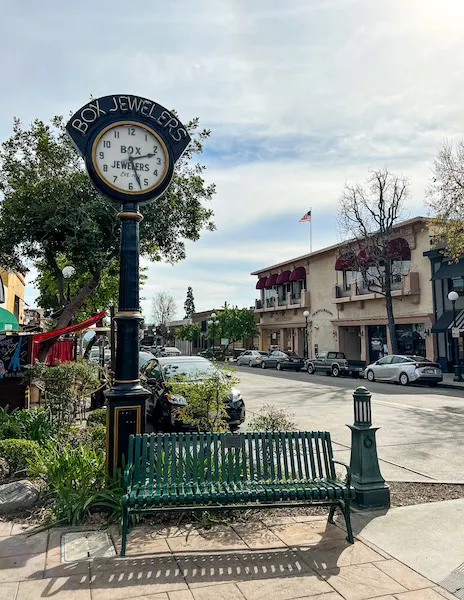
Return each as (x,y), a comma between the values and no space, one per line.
(130,158)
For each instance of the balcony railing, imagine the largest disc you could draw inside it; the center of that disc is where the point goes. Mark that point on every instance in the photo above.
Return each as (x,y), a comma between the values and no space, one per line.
(406,284)
(290,301)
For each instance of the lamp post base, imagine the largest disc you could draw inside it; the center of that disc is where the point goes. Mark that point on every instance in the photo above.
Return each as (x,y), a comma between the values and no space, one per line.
(125,417)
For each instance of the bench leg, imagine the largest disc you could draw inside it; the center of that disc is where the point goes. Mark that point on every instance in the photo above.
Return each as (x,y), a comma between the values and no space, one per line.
(333,508)
(347,515)
(125,526)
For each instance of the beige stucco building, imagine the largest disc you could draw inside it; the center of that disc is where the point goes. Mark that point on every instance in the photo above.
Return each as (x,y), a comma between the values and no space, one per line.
(342,314)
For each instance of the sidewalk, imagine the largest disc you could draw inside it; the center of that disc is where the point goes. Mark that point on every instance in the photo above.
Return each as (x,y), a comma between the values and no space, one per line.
(448,382)
(281,558)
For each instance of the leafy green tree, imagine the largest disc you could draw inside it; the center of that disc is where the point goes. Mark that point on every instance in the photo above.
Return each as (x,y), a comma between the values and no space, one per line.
(190,332)
(233,324)
(189,304)
(445,198)
(51,213)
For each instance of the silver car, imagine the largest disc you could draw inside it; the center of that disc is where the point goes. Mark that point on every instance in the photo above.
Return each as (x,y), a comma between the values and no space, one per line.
(404,369)
(252,358)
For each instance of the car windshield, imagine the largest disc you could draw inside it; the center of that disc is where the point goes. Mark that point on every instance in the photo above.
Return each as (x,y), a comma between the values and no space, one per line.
(418,359)
(196,370)
(144,357)
(291,353)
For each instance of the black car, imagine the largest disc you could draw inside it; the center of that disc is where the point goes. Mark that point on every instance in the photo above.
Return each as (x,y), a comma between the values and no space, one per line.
(283,360)
(216,353)
(163,406)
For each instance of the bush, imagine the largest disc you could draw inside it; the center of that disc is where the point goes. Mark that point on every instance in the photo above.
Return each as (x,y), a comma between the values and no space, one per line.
(97,417)
(18,453)
(270,418)
(76,476)
(95,437)
(31,424)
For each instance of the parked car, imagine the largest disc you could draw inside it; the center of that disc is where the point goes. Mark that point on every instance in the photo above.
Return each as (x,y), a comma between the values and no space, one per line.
(169,351)
(252,358)
(405,369)
(282,360)
(144,357)
(214,353)
(162,409)
(336,364)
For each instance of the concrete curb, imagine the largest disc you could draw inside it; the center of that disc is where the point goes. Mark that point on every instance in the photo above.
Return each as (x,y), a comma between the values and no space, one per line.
(451,386)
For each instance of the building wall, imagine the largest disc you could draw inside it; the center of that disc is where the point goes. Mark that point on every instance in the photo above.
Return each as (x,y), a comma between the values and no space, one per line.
(14,284)
(344,326)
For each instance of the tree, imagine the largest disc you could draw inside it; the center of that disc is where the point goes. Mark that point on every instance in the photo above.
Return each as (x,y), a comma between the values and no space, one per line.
(163,308)
(51,214)
(233,324)
(445,197)
(189,332)
(367,216)
(189,304)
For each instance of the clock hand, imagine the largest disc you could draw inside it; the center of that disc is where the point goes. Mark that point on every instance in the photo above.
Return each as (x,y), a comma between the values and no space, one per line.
(146,155)
(137,178)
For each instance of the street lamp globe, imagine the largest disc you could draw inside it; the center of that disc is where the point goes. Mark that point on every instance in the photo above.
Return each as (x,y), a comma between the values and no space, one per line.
(453,296)
(306,314)
(68,272)
(213,315)
(210,322)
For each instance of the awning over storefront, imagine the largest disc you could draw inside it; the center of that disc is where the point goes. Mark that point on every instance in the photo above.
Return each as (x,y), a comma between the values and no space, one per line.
(272,280)
(284,277)
(8,321)
(261,283)
(56,333)
(298,274)
(446,321)
(449,270)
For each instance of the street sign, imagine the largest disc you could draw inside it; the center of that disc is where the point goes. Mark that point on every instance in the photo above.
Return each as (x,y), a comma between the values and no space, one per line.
(130,145)
(455,332)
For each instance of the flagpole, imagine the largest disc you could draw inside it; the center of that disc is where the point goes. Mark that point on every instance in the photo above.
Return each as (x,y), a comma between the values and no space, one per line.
(311,231)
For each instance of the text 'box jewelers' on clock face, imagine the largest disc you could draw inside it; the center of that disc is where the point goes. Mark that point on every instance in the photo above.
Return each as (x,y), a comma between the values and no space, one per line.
(130,157)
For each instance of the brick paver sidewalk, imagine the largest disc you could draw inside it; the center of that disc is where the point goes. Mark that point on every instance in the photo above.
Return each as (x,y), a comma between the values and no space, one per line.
(279,559)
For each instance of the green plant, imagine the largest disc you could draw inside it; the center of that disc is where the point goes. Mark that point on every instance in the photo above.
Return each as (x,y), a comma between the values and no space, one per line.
(66,387)
(97,417)
(18,452)
(76,477)
(95,437)
(270,418)
(31,424)
(202,398)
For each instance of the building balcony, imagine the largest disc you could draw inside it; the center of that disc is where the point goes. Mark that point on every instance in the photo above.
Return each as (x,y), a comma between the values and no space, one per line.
(289,302)
(402,285)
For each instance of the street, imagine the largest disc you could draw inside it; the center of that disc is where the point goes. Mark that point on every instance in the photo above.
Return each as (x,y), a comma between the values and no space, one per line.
(420,429)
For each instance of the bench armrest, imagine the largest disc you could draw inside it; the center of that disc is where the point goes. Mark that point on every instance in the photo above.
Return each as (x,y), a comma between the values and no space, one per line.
(128,472)
(348,470)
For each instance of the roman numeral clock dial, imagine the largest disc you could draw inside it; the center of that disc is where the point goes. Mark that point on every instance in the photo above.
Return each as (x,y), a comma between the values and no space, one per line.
(130,158)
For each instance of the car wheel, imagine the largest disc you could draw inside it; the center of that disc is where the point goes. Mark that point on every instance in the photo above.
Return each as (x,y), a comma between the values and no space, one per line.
(370,376)
(404,379)
(433,383)
(310,369)
(250,364)
(335,371)
(263,365)
(298,370)
(279,367)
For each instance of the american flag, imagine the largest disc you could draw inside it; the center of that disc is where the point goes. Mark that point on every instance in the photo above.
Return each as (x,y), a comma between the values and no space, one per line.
(306,217)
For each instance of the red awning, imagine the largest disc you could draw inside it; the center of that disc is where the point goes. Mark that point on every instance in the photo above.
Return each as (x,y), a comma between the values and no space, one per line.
(283,277)
(399,249)
(261,283)
(271,280)
(364,259)
(345,262)
(298,274)
(56,333)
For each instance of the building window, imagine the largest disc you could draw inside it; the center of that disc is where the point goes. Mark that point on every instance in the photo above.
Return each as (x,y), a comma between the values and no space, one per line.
(16,307)
(456,284)
(349,277)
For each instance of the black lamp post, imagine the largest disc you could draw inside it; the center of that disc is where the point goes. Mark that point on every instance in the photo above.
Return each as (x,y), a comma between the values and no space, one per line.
(306,315)
(453,297)
(212,323)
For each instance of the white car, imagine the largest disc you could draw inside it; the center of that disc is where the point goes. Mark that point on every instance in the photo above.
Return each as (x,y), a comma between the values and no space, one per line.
(252,358)
(404,369)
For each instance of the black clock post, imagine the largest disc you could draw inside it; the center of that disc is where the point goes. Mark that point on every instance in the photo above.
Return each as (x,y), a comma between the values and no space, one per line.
(120,175)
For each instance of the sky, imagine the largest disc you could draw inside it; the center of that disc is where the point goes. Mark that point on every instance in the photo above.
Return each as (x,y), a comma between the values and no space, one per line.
(301,97)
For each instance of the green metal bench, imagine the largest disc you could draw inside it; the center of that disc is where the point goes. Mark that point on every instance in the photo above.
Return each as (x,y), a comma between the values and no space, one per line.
(209,471)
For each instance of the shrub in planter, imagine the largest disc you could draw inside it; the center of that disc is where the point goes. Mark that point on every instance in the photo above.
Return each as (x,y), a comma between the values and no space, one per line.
(271,418)
(17,453)
(97,417)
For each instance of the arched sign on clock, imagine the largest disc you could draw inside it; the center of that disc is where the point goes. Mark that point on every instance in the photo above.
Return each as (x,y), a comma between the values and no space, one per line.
(130,146)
